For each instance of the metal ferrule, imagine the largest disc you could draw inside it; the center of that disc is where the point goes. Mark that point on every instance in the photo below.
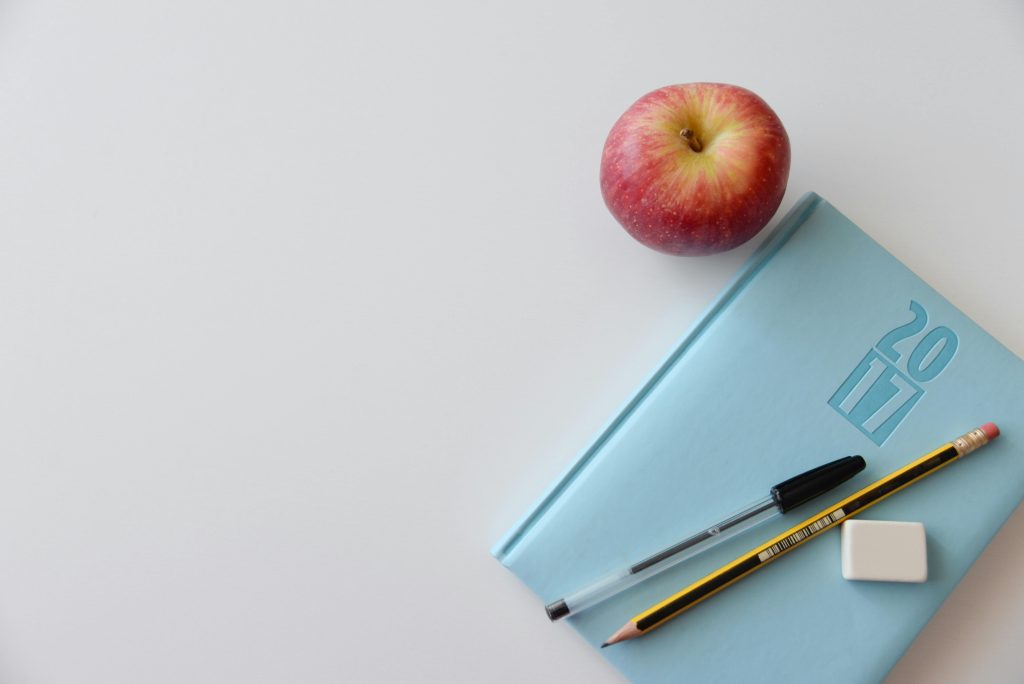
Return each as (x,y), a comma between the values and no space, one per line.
(973,440)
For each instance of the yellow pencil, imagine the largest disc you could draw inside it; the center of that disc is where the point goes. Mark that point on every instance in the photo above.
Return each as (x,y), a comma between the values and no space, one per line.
(659,614)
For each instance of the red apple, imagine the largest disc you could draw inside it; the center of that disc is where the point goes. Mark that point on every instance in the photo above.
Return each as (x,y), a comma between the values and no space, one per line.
(696,168)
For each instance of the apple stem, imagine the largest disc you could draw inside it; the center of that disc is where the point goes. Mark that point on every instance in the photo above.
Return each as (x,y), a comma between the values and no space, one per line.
(687,135)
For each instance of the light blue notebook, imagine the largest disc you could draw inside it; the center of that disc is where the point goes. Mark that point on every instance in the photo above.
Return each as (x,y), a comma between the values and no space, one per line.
(824,345)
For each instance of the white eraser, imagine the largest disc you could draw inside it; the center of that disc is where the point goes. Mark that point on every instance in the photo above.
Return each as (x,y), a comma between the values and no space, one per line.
(884,551)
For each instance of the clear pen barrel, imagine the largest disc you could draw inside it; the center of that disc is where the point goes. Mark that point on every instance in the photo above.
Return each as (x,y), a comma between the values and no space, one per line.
(612,584)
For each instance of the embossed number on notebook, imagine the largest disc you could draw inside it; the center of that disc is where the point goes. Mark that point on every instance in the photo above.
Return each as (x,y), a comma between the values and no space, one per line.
(881,391)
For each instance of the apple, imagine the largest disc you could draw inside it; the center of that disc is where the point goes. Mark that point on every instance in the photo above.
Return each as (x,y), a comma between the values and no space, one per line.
(695,169)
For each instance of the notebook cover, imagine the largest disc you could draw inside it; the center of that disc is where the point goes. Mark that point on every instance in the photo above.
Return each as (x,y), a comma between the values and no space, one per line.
(823,345)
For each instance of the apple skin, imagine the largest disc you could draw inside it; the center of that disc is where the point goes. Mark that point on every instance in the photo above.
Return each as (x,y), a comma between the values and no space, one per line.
(680,201)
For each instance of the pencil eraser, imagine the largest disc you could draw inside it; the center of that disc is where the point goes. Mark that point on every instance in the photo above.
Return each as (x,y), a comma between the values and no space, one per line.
(991,430)
(884,551)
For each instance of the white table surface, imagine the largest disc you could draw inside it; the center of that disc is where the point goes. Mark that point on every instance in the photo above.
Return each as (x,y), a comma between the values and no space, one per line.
(305,303)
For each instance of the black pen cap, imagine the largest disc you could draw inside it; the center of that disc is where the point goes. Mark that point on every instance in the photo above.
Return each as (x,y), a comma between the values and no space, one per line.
(806,486)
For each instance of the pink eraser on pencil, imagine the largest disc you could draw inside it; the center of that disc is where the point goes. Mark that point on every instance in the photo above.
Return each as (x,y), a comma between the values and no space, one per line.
(990,430)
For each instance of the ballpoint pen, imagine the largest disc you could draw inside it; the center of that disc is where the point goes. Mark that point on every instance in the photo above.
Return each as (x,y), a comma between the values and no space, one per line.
(781,498)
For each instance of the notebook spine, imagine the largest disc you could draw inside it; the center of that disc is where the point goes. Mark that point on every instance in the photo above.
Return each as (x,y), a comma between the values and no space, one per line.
(765,251)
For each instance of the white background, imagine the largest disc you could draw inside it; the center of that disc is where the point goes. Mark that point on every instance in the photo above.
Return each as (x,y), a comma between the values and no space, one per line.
(303,304)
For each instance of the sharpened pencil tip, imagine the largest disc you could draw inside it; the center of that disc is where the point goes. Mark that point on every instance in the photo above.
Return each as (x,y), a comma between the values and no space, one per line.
(625,633)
